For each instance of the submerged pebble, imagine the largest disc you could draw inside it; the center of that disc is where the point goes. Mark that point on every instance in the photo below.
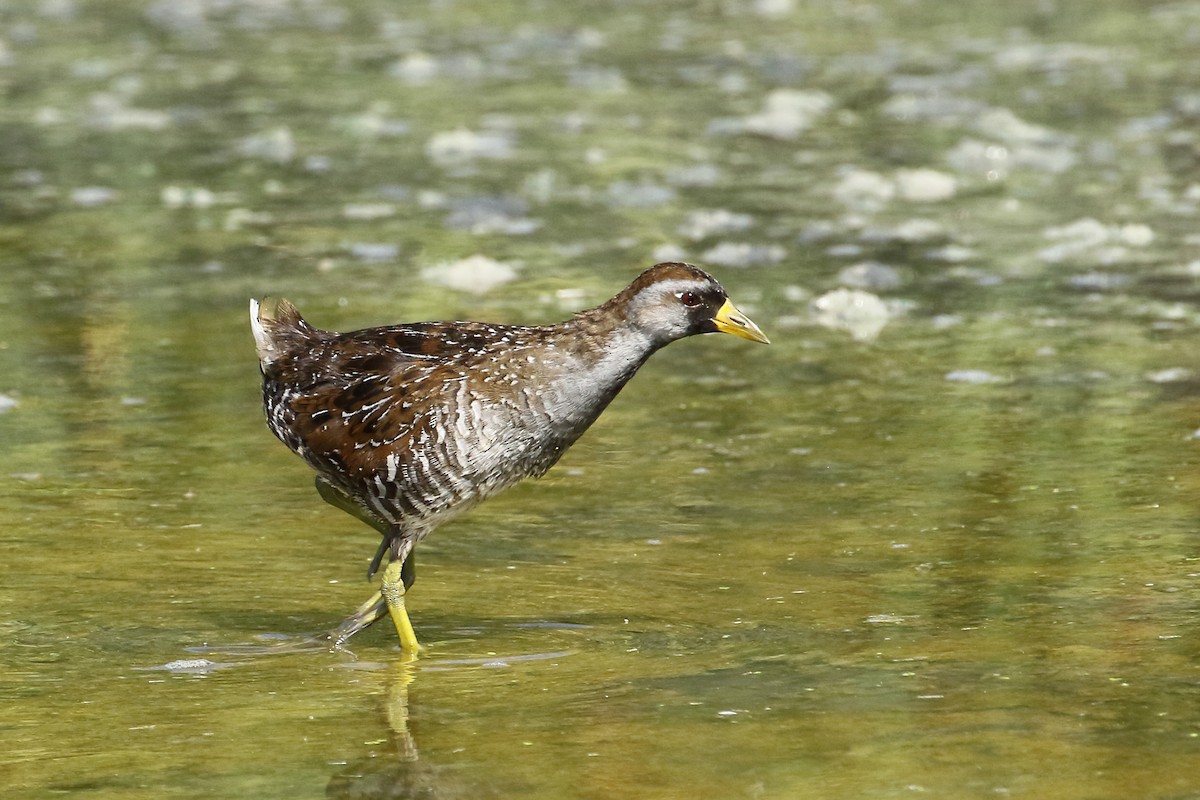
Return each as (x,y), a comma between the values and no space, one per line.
(951,253)
(1012,143)
(195,666)
(910,230)
(185,197)
(91,196)
(925,185)
(368,211)
(1092,240)
(669,252)
(773,9)
(863,190)
(375,123)
(277,145)
(871,275)
(786,113)
(110,112)
(238,218)
(415,69)
(1171,375)
(456,147)
(977,376)
(476,274)
(622,194)
(188,663)
(742,254)
(1100,281)
(704,174)
(702,223)
(486,214)
(861,314)
(374,251)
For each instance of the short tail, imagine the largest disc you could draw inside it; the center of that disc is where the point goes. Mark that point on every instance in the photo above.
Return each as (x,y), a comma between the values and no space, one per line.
(275,323)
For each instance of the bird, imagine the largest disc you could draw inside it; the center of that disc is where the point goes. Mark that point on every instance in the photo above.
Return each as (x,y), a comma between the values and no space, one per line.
(408,425)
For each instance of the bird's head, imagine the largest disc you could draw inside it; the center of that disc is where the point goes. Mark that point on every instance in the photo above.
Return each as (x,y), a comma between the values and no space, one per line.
(672,300)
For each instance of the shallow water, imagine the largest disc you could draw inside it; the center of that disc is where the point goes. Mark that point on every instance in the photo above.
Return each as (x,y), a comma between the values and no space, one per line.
(938,539)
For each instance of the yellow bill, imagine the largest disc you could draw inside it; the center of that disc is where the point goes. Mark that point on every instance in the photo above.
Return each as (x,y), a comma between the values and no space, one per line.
(730,320)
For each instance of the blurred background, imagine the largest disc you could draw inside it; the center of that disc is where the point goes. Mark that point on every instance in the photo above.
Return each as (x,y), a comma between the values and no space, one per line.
(940,538)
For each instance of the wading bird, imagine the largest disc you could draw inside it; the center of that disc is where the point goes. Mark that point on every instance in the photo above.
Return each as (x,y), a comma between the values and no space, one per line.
(407,425)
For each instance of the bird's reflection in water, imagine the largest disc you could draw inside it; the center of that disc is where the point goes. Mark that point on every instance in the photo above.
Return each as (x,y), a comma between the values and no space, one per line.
(401,772)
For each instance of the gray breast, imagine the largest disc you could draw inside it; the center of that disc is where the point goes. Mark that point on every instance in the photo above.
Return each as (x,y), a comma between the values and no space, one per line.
(474,443)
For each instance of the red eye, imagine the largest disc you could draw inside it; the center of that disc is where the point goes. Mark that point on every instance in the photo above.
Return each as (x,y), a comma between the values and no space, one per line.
(689,299)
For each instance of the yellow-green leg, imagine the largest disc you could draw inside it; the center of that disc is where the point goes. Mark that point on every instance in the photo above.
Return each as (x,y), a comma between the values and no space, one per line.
(398,576)
(392,590)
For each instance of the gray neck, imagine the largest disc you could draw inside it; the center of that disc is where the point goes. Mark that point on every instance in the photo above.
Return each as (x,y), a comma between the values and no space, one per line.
(596,375)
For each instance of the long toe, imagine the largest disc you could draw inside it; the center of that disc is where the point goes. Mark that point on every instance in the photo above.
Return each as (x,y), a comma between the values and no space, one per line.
(367,614)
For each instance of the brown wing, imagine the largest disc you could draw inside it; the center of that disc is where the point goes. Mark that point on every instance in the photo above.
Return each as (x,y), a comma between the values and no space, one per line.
(378,411)
(345,396)
(367,408)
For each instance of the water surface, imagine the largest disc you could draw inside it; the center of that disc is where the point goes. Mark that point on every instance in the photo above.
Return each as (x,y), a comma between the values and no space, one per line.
(938,539)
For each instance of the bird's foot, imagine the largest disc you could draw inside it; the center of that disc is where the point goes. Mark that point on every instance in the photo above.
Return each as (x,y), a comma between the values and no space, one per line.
(367,614)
